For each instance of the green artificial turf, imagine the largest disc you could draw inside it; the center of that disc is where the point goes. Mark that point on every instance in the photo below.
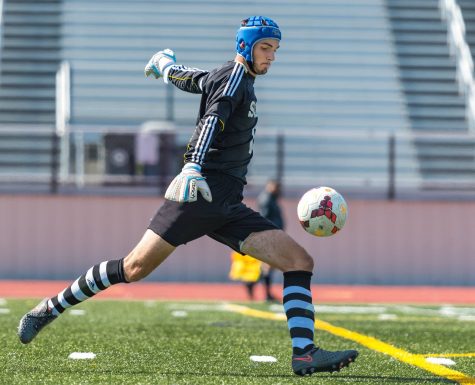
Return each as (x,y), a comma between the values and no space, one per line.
(139,342)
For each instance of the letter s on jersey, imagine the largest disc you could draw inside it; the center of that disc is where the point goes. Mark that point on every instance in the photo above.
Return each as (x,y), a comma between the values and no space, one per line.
(252,110)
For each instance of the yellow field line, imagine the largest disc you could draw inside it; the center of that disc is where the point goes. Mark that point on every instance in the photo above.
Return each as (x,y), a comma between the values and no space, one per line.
(449,355)
(370,342)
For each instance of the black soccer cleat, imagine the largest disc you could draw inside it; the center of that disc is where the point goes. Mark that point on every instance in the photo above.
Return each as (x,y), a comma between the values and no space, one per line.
(319,360)
(33,321)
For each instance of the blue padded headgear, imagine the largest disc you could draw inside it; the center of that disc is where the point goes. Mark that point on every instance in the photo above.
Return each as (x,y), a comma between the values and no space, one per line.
(252,30)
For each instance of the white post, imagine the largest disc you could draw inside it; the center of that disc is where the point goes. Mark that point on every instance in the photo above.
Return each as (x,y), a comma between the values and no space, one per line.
(1,26)
(63,113)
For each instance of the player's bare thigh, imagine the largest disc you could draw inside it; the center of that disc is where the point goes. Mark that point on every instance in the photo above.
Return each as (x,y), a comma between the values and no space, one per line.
(149,253)
(278,249)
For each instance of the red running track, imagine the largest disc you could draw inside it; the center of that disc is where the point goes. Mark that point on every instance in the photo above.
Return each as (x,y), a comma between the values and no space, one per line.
(236,292)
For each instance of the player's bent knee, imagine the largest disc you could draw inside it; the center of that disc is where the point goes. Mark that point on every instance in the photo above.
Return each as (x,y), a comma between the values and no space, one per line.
(297,259)
(300,262)
(307,263)
(135,269)
(278,249)
(149,253)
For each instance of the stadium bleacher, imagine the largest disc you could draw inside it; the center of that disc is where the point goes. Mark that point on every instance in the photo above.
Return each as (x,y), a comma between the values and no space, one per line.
(344,65)
(349,75)
(426,68)
(31,51)
(428,77)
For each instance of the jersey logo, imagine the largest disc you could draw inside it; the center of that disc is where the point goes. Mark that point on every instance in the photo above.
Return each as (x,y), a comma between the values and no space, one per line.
(252,110)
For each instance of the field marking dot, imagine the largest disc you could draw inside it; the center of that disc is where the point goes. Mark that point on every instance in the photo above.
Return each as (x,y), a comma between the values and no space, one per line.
(342,309)
(263,358)
(440,361)
(179,313)
(82,356)
(4,311)
(77,312)
(277,308)
(387,317)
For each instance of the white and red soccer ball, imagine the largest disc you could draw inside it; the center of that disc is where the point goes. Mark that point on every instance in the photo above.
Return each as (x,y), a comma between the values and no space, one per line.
(322,211)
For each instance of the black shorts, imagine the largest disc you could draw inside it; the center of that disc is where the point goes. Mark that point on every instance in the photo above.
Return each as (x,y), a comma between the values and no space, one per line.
(226,219)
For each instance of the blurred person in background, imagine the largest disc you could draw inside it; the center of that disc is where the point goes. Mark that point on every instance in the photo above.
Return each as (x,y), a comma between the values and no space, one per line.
(247,270)
(206,198)
(147,152)
(268,206)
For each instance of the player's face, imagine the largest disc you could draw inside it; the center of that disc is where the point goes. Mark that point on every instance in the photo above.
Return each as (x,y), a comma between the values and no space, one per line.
(263,55)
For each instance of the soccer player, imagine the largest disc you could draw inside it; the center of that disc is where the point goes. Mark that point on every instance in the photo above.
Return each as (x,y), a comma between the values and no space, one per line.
(206,198)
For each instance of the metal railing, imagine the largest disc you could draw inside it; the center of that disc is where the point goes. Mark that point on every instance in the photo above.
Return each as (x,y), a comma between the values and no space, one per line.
(28,158)
(459,48)
(107,160)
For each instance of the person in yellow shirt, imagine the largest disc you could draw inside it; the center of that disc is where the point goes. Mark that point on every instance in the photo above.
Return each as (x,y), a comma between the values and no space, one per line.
(249,270)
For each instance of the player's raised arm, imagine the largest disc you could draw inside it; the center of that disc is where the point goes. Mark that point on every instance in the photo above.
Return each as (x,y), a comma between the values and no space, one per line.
(186,78)
(163,64)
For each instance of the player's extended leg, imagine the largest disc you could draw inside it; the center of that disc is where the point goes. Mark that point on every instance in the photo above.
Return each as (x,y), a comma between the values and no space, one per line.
(278,249)
(149,253)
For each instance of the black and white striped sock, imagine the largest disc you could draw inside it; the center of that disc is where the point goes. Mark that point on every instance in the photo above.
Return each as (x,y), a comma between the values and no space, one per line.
(97,278)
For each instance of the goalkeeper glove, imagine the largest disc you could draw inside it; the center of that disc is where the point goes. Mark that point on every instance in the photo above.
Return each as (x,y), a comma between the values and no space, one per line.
(159,63)
(184,188)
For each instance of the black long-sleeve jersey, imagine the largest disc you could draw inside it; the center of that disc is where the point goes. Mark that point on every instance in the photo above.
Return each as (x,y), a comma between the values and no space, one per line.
(225,128)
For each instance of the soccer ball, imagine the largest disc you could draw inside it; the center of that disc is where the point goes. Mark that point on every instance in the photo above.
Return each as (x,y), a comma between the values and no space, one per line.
(322,211)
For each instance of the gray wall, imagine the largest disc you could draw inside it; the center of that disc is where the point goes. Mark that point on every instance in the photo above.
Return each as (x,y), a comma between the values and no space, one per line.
(383,242)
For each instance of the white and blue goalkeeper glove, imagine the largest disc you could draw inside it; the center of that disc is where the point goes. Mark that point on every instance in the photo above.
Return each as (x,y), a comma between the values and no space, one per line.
(186,185)
(159,63)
